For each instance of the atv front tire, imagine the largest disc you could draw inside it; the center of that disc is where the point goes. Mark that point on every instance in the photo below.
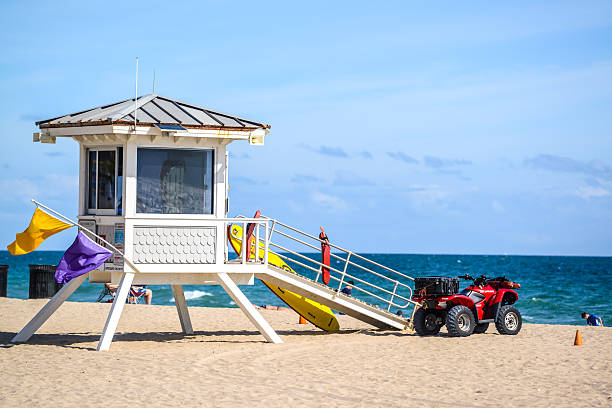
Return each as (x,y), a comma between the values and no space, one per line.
(481,328)
(426,322)
(509,320)
(460,321)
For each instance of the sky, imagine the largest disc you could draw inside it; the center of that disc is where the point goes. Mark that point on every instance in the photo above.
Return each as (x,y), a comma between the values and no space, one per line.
(400,127)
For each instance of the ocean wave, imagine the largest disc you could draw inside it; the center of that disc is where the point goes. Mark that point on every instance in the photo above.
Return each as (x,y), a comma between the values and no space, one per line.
(194,294)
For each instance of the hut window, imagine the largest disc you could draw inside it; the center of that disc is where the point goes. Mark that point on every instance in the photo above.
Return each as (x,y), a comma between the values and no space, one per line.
(104,175)
(174,181)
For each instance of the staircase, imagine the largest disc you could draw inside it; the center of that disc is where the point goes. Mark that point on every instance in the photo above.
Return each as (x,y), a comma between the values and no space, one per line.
(392,288)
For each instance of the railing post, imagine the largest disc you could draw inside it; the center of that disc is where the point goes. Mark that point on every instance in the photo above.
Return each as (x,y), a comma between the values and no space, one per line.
(392,296)
(266,245)
(256,242)
(244,244)
(225,235)
(272,229)
(346,263)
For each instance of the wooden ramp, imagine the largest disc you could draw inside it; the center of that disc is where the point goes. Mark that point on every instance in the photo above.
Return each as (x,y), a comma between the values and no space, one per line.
(338,301)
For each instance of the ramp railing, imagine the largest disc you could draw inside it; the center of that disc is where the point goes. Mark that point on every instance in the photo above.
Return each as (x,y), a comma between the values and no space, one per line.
(370,278)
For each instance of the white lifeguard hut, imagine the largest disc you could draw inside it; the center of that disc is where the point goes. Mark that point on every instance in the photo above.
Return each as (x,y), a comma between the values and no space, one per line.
(153,186)
(153,183)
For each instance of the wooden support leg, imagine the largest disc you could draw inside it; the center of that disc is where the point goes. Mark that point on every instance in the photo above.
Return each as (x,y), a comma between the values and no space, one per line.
(115,313)
(181,308)
(54,303)
(254,316)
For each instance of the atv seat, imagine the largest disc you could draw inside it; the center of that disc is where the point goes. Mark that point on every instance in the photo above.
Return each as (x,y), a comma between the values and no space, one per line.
(475,296)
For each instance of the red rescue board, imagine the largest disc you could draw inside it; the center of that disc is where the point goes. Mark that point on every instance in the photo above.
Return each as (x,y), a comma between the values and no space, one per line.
(325,251)
(249,236)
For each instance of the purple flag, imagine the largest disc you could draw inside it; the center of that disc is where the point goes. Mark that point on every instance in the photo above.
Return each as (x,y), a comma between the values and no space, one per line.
(83,256)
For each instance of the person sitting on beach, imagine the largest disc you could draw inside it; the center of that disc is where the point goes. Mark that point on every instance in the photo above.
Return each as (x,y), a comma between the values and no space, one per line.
(139,290)
(592,320)
(347,289)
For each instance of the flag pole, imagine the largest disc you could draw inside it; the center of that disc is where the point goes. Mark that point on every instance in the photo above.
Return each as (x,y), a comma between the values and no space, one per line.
(92,233)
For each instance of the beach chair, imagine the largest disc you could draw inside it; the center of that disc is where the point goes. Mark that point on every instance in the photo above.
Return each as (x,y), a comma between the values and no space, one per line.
(134,297)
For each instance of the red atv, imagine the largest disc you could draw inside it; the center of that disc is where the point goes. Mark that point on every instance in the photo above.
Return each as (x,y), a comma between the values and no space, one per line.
(485,301)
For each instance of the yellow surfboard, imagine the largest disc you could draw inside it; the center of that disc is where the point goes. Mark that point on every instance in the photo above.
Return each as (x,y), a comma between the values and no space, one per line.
(316,313)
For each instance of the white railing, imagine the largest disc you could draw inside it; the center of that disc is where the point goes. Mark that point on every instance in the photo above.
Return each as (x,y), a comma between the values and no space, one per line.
(400,291)
(244,222)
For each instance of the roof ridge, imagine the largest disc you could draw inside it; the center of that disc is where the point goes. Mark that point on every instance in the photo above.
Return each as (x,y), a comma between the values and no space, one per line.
(132,108)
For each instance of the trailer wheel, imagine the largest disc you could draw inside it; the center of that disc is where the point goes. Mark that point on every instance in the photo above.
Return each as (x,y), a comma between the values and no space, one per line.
(426,322)
(460,321)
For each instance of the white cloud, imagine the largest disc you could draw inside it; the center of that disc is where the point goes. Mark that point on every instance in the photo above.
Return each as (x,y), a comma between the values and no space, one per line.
(331,203)
(427,195)
(295,207)
(497,207)
(18,189)
(49,185)
(588,192)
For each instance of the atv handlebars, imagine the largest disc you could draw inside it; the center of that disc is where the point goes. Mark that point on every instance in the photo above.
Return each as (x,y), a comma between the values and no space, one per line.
(482,280)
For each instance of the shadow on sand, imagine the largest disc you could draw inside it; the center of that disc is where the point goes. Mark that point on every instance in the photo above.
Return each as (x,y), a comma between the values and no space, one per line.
(75,340)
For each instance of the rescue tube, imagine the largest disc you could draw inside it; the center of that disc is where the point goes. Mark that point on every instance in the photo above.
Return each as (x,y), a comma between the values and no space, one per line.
(325,251)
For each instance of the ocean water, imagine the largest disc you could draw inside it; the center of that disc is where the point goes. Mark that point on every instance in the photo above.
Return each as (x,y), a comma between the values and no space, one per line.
(553,289)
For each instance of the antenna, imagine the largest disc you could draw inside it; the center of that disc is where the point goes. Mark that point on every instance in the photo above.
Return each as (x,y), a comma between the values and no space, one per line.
(136,98)
(153,81)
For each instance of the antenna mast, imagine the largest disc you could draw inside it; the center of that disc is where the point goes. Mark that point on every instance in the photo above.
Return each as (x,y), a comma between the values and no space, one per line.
(153,81)
(136,98)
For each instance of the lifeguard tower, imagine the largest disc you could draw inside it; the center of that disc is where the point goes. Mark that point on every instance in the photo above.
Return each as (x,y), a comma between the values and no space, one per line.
(153,182)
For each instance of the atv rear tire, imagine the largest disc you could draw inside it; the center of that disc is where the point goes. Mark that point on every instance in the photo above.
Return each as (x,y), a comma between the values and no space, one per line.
(460,321)
(509,320)
(425,322)
(481,328)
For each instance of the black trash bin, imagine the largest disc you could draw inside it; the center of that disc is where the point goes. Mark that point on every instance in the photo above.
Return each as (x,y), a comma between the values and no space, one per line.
(3,279)
(42,281)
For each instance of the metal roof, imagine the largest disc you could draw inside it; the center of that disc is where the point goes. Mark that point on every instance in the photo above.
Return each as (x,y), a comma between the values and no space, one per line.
(153,109)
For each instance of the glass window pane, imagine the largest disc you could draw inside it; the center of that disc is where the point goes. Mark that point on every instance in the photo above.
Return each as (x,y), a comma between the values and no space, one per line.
(174,181)
(119,180)
(106,179)
(91,171)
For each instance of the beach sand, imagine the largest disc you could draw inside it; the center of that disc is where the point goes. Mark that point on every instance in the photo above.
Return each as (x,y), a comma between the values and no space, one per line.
(227,363)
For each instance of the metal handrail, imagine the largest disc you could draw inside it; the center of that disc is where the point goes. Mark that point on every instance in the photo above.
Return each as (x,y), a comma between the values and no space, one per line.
(338,248)
(349,262)
(343,275)
(245,221)
(355,287)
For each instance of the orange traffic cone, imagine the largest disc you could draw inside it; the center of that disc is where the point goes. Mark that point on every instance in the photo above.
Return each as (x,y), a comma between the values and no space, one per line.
(578,339)
(302,320)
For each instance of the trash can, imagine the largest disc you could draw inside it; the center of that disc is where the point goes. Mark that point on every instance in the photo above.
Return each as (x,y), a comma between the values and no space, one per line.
(3,279)
(42,281)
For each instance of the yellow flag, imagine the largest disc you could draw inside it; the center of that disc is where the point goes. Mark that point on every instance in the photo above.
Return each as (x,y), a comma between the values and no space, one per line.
(41,227)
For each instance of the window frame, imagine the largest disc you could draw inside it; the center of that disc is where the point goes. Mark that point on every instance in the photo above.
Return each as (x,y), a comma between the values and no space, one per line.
(213,213)
(106,211)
